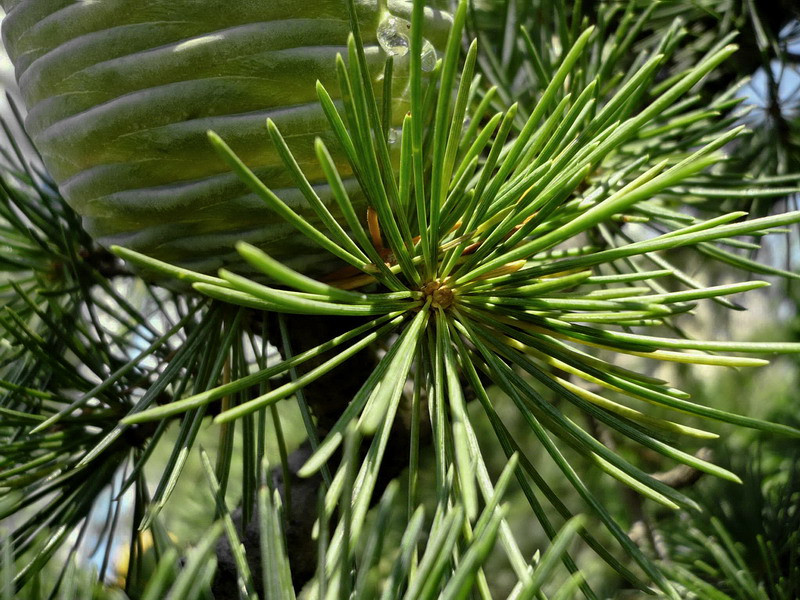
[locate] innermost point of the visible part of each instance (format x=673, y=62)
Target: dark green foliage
x=745, y=544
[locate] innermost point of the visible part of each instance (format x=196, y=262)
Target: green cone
x=120, y=95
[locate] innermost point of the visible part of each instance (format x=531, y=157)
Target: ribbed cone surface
x=120, y=95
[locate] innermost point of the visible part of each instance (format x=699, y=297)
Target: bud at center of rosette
x=120, y=95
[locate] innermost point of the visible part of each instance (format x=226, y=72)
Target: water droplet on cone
x=392, y=36
x=428, y=56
